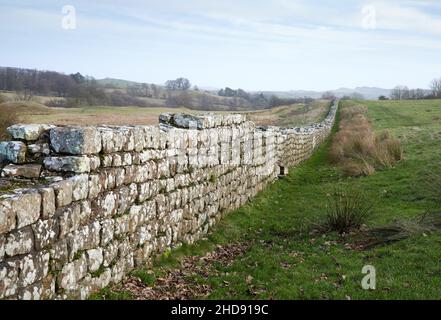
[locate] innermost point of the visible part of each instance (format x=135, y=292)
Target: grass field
x=34, y=112
x=286, y=260
x=291, y=116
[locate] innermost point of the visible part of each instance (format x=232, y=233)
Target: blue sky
x=252, y=44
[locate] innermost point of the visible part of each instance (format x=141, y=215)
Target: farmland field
x=280, y=254
x=34, y=112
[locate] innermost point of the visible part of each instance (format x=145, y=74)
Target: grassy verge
x=287, y=260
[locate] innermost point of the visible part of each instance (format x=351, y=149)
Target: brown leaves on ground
x=181, y=283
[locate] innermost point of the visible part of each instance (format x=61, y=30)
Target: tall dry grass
x=8, y=117
x=357, y=149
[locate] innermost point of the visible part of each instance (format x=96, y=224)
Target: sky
x=251, y=44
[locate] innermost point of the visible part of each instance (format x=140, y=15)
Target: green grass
x=287, y=261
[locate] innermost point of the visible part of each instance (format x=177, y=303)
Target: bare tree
x=181, y=84
x=419, y=94
x=400, y=93
x=328, y=95
x=155, y=91
x=24, y=95
x=435, y=86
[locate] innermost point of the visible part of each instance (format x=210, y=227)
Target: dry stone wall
x=104, y=200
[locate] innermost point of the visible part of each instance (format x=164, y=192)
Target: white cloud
x=282, y=37
x=409, y=19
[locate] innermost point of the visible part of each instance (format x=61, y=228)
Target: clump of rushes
x=347, y=209
x=357, y=149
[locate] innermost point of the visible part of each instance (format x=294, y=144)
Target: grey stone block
x=13, y=151
x=68, y=164
x=29, y=132
x=75, y=140
x=19, y=242
x=30, y=171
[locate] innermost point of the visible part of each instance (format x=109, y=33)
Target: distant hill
x=367, y=92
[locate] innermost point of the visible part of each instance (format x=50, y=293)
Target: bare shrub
x=357, y=149
x=24, y=95
x=347, y=209
x=62, y=103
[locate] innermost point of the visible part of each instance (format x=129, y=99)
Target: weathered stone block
x=107, y=231
x=33, y=267
x=95, y=186
x=122, y=225
x=8, y=217
x=126, y=159
x=30, y=171
x=105, y=205
x=13, y=151
x=39, y=148
x=27, y=207
x=107, y=160
x=8, y=280
x=95, y=162
x=72, y=273
x=19, y=242
x=120, y=176
x=94, y=259
x=85, y=212
x=126, y=196
x=80, y=187
x=48, y=287
x=110, y=253
x=63, y=192
x=68, y=164
x=147, y=190
x=29, y=132
x=187, y=121
x=102, y=281
x=128, y=134
x=33, y=292
x=47, y=202
x=75, y=140
x=115, y=140
x=45, y=233
x=59, y=255
x=124, y=248
x=85, y=238
x=41, y=290
x=69, y=220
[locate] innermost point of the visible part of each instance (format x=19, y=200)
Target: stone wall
x=88, y=204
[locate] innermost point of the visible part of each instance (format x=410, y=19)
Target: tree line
x=404, y=93
x=74, y=90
